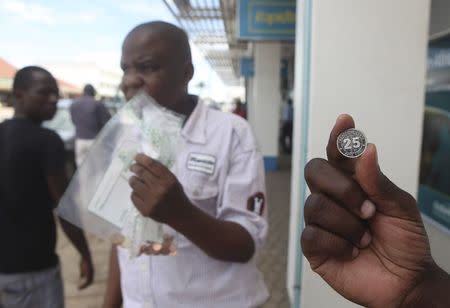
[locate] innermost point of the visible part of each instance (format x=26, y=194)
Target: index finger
x=343, y=122
x=322, y=177
x=151, y=165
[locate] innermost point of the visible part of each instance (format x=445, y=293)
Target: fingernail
x=367, y=209
x=355, y=252
x=340, y=117
x=157, y=247
x=375, y=154
x=365, y=240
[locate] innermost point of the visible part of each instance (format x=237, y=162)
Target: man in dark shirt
x=89, y=116
x=32, y=180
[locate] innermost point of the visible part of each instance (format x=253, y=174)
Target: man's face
x=149, y=62
x=40, y=99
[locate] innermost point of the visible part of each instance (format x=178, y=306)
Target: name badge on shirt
x=201, y=162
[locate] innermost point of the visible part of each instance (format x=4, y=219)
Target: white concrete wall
x=267, y=97
x=368, y=59
x=297, y=150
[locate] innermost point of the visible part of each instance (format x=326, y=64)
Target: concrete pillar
x=293, y=275
x=249, y=94
x=368, y=64
x=265, y=108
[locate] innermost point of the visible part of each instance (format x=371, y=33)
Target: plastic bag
x=98, y=199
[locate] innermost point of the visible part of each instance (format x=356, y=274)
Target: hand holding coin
x=363, y=234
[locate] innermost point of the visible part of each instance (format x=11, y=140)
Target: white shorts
x=82, y=149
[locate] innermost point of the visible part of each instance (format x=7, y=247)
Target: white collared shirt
x=222, y=173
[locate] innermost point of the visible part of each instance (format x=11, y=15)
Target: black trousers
x=286, y=137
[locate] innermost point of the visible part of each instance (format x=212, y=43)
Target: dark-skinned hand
x=86, y=273
x=156, y=194
x=364, y=236
x=156, y=191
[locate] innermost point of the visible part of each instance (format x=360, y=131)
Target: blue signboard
x=270, y=20
x=247, y=67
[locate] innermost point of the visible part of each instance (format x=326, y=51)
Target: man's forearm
x=223, y=240
x=76, y=237
x=432, y=292
x=113, y=295
x=57, y=185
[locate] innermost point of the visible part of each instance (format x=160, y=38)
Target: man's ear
x=188, y=73
x=17, y=97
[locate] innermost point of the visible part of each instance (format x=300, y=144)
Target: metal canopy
x=211, y=27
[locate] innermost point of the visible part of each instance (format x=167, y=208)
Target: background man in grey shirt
x=88, y=116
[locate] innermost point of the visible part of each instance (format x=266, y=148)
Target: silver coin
x=351, y=143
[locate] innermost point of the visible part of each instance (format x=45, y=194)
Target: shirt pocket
x=203, y=192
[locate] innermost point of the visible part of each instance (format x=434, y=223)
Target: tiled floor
x=273, y=258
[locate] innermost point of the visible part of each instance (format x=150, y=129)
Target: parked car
x=62, y=124
x=6, y=113
x=114, y=104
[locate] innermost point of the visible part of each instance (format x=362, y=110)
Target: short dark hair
x=89, y=90
x=174, y=33
x=23, y=77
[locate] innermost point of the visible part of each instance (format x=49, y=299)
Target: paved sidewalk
x=273, y=258
x=91, y=297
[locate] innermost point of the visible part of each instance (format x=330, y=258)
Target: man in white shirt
x=212, y=200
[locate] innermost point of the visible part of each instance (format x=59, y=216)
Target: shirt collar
x=195, y=128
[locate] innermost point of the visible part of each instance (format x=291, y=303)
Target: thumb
x=388, y=198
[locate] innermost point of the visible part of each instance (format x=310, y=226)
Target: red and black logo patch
x=256, y=203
